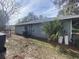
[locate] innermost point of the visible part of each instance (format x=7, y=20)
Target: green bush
x=53, y=29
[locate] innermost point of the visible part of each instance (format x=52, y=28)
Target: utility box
x=66, y=40
x=2, y=45
x=60, y=40
x=2, y=39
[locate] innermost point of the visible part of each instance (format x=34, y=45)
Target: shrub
x=53, y=29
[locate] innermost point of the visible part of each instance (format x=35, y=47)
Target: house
x=35, y=27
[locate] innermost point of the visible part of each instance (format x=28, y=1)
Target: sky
x=38, y=7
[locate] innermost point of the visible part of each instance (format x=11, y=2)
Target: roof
x=37, y=21
x=50, y=19
x=68, y=17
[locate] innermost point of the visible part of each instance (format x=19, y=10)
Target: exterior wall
x=35, y=30
x=67, y=27
x=19, y=30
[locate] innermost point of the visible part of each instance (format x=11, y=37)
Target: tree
x=7, y=7
x=30, y=17
x=53, y=29
x=68, y=7
x=41, y=17
x=3, y=19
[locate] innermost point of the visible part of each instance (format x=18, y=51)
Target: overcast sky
x=39, y=7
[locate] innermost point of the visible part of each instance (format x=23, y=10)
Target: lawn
x=19, y=47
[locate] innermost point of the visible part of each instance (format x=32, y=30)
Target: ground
x=19, y=47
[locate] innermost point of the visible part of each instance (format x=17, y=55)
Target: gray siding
x=35, y=30
x=19, y=30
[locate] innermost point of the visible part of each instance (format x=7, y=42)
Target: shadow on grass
x=37, y=38
x=69, y=52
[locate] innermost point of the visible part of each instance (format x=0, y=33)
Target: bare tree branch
x=8, y=7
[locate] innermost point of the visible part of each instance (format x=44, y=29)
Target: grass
x=71, y=54
x=41, y=43
x=35, y=49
